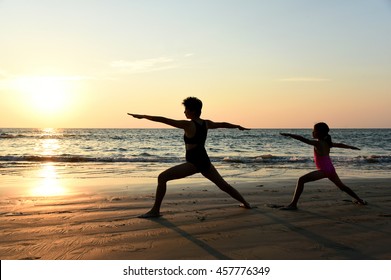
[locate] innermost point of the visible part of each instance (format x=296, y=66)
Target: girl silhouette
x=322, y=144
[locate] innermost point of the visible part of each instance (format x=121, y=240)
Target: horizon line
x=251, y=128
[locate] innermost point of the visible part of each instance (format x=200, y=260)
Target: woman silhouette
x=197, y=159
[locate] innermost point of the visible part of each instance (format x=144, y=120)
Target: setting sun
x=45, y=94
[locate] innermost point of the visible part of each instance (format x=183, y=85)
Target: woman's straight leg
x=213, y=175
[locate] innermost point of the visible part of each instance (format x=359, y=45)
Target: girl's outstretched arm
x=214, y=125
x=171, y=122
x=344, y=146
x=300, y=138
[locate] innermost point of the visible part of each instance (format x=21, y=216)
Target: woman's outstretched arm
x=175, y=123
x=214, y=125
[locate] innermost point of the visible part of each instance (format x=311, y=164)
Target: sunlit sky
x=258, y=63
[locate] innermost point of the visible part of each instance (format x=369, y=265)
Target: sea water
x=144, y=153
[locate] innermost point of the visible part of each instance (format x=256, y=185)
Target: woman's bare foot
x=150, y=215
x=289, y=208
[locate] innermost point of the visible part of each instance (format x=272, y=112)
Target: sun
x=45, y=94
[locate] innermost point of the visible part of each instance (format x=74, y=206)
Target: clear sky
x=258, y=63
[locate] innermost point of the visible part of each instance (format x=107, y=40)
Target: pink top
x=324, y=164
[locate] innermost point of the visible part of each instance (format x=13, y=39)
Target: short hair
x=323, y=131
x=193, y=104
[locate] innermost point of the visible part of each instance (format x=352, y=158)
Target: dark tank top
x=199, y=137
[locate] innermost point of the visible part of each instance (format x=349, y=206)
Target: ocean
x=144, y=153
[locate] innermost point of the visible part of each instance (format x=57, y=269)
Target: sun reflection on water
x=48, y=183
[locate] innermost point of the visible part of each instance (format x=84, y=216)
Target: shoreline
x=52, y=180
x=201, y=222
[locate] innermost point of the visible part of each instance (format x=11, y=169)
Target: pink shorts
x=323, y=163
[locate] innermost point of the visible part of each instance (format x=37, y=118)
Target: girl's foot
x=360, y=202
x=247, y=206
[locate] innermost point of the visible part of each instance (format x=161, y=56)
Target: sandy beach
x=200, y=222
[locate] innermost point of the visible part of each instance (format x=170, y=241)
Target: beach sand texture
x=201, y=222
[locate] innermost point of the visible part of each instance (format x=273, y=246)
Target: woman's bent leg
x=173, y=173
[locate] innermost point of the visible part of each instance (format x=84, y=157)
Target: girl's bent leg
x=309, y=177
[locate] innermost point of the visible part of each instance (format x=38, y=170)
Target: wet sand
x=200, y=222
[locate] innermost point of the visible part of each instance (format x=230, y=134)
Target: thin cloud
x=304, y=79
x=145, y=65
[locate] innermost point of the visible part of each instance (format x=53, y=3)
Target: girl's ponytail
x=328, y=140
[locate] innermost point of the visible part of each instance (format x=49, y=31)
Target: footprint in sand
x=30, y=258
x=385, y=215
x=201, y=219
x=272, y=205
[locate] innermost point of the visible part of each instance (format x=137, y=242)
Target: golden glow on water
x=48, y=183
x=49, y=130
x=48, y=146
